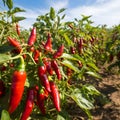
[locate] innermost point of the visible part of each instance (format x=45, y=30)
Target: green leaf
x=63, y=16
x=52, y=13
x=5, y=115
x=17, y=19
x=70, y=43
x=61, y=10
x=17, y=9
x=94, y=74
x=91, y=89
x=63, y=115
x=9, y=3
x=93, y=66
x=81, y=101
x=68, y=56
x=5, y=48
x=3, y=2
x=70, y=65
x=4, y=58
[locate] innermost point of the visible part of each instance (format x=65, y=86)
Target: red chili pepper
x=40, y=101
x=36, y=55
x=41, y=68
x=32, y=37
x=48, y=44
x=15, y=44
x=56, y=69
x=55, y=96
x=45, y=82
x=80, y=45
x=18, y=29
x=17, y=87
x=29, y=104
x=59, y=52
x=48, y=66
x=2, y=88
x=72, y=50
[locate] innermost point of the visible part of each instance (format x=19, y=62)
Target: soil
x=110, y=110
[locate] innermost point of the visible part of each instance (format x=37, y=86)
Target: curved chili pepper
x=45, y=82
x=56, y=69
x=48, y=44
x=17, y=87
x=59, y=52
x=36, y=55
x=55, y=96
x=2, y=88
x=18, y=29
x=29, y=104
x=15, y=43
x=32, y=37
x=40, y=101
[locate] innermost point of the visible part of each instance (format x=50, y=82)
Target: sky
x=102, y=11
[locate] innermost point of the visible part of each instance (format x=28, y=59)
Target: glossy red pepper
x=45, y=82
x=48, y=44
x=2, y=88
x=32, y=37
x=36, y=56
x=56, y=69
x=41, y=68
x=55, y=96
x=18, y=29
x=40, y=101
x=28, y=105
x=17, y=87
x=48, y=66
x=15, y=43
x=59, y=52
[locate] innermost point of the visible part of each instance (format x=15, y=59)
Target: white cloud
x=104, y=13
x=59, y=4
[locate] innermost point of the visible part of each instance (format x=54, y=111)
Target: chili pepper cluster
x=36, y=94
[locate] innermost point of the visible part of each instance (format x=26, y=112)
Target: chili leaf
x=9, y=3
x=70, y=65
x=5, y=115
x=52, y=13
x=4, y=57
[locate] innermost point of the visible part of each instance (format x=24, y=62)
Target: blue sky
x=102, y=11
